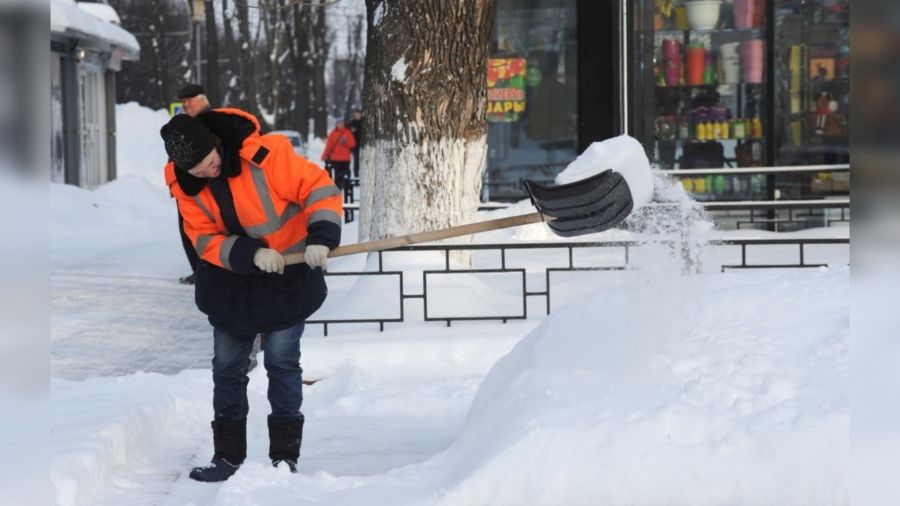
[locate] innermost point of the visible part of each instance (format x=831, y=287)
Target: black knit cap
x=190, y=91
x=187, y=141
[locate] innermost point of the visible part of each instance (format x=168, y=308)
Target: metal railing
x=800, y=243
x=546, y=272
x=787, y=169
x=754, y=208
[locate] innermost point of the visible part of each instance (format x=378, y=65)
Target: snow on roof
x=102, y=11
x=67, y=18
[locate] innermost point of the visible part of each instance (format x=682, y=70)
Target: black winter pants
x=342, y=178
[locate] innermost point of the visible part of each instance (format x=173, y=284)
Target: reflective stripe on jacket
x=281, y=201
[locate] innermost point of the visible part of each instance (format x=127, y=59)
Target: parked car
x=296, y=140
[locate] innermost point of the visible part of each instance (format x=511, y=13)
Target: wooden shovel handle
x=429, y=236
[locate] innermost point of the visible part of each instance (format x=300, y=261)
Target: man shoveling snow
x=245, y=200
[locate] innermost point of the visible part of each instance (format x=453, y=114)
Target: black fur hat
x=187, y=140
x=190, y=91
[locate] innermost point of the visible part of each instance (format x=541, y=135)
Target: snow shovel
x=590, y=205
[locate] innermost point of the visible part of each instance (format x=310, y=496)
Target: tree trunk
x=320, y=106
x=285, y=98
x=158, y=46
x=212, y=54
x=247, y=50
x=357, y=53
x=270, y=21
x=234, y=83
x=424, y=100
x=300, y=56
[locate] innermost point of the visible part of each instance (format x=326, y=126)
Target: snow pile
x=65, y=16
x=139, y=148
x=125, y=226
x=103, y=427
x=101, y=11
x=622, y=154
x=689, y=390
x=128, y=225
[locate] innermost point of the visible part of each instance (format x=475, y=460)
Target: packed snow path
x=111, y=325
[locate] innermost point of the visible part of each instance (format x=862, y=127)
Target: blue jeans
x=231, y=361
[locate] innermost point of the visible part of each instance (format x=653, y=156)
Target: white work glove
x=316, y=255
x=269, y=260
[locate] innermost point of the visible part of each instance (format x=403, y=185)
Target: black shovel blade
x=593, y=204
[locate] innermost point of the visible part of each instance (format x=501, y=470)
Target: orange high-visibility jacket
x=278, y=197
x=281, y=201
x=334, y=150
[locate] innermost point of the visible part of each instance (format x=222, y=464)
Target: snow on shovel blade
x=590, y=205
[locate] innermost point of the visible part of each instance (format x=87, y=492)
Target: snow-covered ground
x=643, y=386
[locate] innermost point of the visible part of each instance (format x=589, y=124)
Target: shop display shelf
x=749, y=31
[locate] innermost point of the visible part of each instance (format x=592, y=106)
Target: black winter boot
x=230, y=442
x=284, y=442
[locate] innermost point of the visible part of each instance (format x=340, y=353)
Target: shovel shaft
x=432, y=235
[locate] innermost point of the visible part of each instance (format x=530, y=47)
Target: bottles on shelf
x=705, y=124
x=725, y=186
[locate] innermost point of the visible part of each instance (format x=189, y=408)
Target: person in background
x=355, y=126
x=193, y=102
x=247, y=200
x=338, y=152
x=193, y=99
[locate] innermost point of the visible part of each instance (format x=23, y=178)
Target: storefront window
x=701, y=91
x=742, y=83
x=812, y=78
x=532, y=91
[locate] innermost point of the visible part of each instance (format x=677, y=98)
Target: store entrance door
x=92, y=112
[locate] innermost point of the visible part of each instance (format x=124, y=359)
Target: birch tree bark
x=424, y=99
